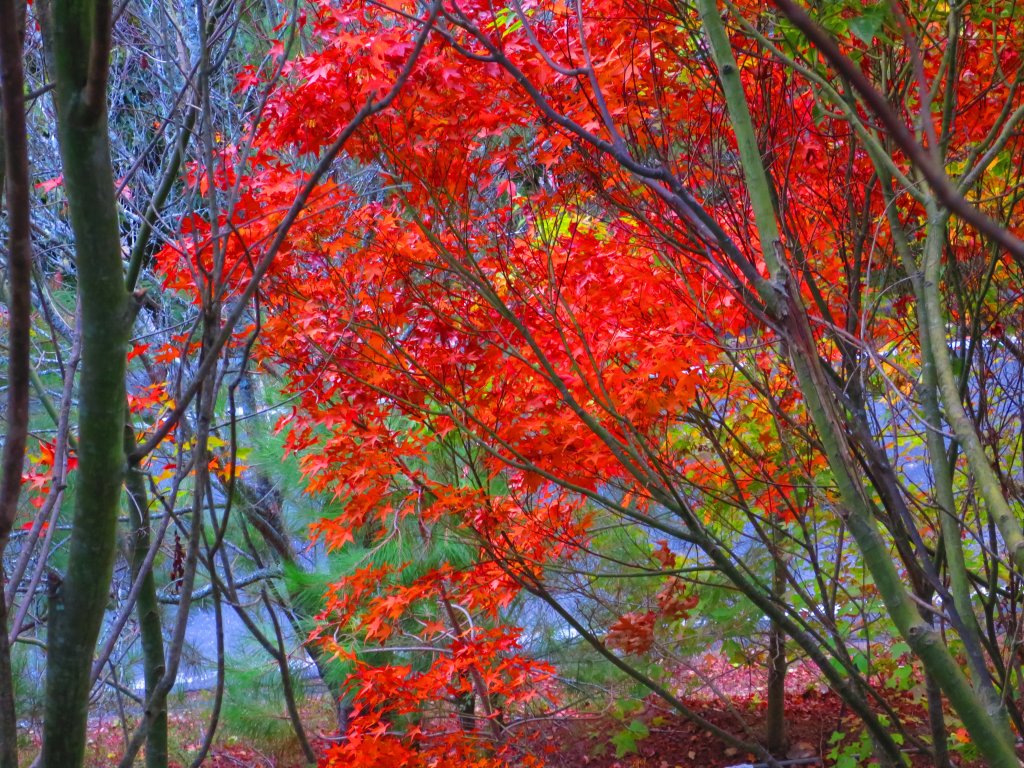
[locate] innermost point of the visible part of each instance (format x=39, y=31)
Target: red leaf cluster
x=497, y=322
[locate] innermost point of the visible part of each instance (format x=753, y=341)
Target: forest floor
x=821, y=729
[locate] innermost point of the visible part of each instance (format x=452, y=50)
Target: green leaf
x=639, y=729
x=625, y=743
x=867, y=26
x=625, y=740
x=860, y=660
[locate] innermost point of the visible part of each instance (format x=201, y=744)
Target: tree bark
x=78, y=46
x=776, y=737
x=14, y=179
x=147, y=608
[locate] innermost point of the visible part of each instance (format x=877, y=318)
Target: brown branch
x=19, y=273
x=19, y=306
x=368, y=110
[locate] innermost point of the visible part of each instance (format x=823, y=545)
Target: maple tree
x=628, y=316
x=126, y=425
x=633, y=260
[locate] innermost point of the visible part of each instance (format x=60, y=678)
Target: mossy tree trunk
x=14, y=180
x=147, y=608
x=78, y=47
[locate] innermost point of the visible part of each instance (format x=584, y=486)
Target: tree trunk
x=147, y=608
x=78, y=45
x=14, y=179
x=776, y=738
x=8, y=713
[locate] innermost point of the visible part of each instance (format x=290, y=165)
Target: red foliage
x=519, y=288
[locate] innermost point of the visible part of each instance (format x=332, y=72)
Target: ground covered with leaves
x=639, y=734
x=821, y=729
